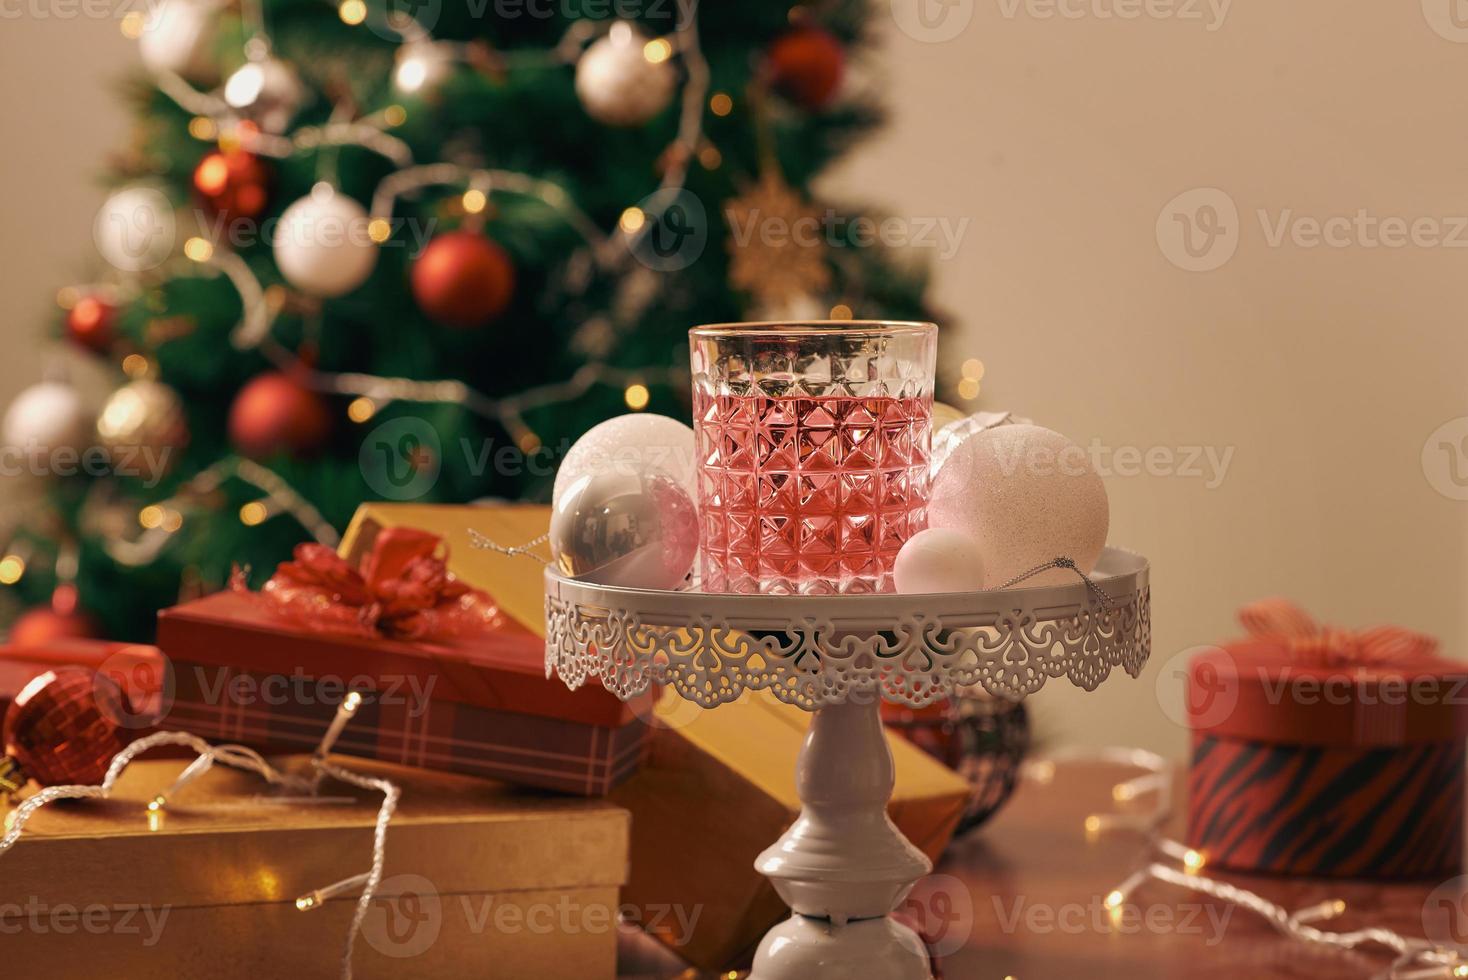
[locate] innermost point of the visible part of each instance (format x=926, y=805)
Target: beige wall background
x=1061, y=130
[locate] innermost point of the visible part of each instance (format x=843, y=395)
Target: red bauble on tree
x=45, y=625
x=273, y=413
x=463, y=279
x=64, y=728
x=806, y=65
x=233, y=184
x=91, y=323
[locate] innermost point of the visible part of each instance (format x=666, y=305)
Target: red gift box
x=261, y=674
x=1325, y=752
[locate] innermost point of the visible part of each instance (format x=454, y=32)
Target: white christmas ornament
x=1026, y=495
x=177, y=37
x=939, y=560
x=134, y=229
x=47, y=417
x=422, y=66
x=624, y=79
x=322, y=244
x=637, y=444
x=267, y=91
x=635, y=530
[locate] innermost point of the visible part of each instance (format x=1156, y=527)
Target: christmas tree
x=413, y=251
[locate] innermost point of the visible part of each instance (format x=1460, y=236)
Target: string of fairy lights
x=306, y=790
x=1173, y=863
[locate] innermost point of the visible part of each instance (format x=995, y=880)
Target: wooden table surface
x=1023, y=896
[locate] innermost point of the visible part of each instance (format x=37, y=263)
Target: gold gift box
x=718, y=786
x=481, y=880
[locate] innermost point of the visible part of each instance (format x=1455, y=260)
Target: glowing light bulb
x=636, y=397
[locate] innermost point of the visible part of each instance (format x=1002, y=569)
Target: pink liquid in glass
x=805, y=494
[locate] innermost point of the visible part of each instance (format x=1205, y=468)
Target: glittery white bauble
x=322, y=244
x=47, y=417
x=636, y=530
x=939, y=560
x=134, y=229
x=638, y=444
x=421, y=66
x=267, y=91
x=178, y=36
x=951, y=432
x=618, y=84
x=1027, y=495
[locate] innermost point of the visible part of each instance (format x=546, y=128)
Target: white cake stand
x=843, y=866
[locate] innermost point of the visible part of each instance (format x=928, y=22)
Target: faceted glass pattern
x=813, y=448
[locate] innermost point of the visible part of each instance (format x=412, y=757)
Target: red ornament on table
x=62, y=729
x=806, y=65
x=233, y=184
x=463, y=279
x=91, y=322
x=273, y=413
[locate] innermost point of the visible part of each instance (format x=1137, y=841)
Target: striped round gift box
x=1327, y=753
x=1318, y=811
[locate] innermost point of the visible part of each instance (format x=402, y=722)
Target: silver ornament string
x=1062, y=561
x=526, y=550
x=248, y=760
x=1415, y=959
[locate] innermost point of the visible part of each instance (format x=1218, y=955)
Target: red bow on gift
x=1329, y=646
x=404, y=590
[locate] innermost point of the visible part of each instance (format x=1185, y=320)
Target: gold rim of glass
x=816, y=328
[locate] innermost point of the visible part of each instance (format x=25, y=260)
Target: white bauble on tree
x=267, y=91
x=45, y=418
x=178, y=37
x=1027, y=495
x=939, y=560
x=323, y=246
x=623, y=79
x=637, y=443
x=135, y=229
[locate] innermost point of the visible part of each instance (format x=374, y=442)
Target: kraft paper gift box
x=717, y=786
x=482, y=708
x=481, y=880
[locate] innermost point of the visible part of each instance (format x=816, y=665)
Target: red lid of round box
x=1263, y=690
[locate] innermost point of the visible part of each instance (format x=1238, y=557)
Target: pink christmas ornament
x=1026, y=495
x=939, y=560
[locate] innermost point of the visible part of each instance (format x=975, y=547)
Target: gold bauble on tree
x=143, y=425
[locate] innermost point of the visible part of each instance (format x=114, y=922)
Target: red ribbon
x=1328, y=646
x=404, y=591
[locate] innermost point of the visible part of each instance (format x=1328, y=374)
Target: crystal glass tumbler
x=813, y=442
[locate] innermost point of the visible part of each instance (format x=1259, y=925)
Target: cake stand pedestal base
x=843, y=865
